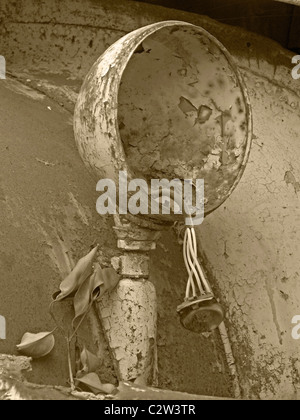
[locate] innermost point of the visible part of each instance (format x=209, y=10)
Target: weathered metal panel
x=257, y=271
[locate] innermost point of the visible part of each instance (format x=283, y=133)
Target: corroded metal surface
x=13, y=387
x=252, y=242
x=48, y=218
x=129, y=313
x=166, y=101
x=129, y=317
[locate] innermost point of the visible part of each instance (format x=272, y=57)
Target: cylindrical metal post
x=129, y=313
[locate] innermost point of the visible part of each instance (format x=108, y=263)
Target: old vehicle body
x=249, y=245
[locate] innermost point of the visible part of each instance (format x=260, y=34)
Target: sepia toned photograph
x=149, y=202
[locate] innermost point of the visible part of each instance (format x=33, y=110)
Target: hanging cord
x=197, y=284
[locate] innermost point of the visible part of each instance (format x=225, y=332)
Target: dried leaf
x=92, y=381
x=37, y=345
x=87, y=293
x=82, y=298
x=77, y=277
x=110, y=279
x=101, y=281
x=90, y=363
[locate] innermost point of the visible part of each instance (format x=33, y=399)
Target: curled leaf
x=82, y=299
x=78, y=276
x=85, y=294
x=101, y=281
x=89, y=362
x=110, y=279
x=92, y=381
x=37, y=345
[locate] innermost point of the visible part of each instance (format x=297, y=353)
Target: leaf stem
x=58, y=326
x=81, y=321
x=72, y=383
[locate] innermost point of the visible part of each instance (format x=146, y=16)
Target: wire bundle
x=197, y=285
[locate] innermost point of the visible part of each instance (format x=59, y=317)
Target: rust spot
x=140, y=50
x=285, y=296
x=204, y=114
x=121, y=125
x=289, y=178
x=182, y=72
x=186, y=106
x=239, y=105
x=221, y=82
x=175, y=29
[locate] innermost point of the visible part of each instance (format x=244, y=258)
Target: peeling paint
x=169, y=126
x=289, y=178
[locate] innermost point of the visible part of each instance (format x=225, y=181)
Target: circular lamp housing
x=201, y=315
x=166, y=101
